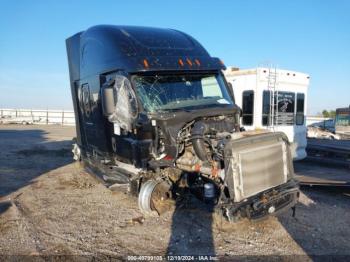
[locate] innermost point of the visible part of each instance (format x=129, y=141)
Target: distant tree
x=325, y=113
x=332, y=114
x=328, y=114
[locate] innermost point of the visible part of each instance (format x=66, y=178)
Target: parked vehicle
x=319, y=132
x=342, y=122
x=273, y=99
x=154, y=113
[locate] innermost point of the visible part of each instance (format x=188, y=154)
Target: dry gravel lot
x=50, y=206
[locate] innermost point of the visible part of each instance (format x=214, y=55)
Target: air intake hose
x=197, y=137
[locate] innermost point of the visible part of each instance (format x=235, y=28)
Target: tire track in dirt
x=29, y=226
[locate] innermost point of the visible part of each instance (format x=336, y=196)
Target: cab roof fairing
x=105, y=48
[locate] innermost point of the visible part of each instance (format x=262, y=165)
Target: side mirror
x=107, y=97
x=119, y=102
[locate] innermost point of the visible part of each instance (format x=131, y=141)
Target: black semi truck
x=154, y=114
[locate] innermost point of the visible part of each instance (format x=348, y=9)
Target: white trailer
x=272, y=99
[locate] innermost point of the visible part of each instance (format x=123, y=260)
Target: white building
x=272, y=99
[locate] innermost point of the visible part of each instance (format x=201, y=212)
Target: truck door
x=88, y=124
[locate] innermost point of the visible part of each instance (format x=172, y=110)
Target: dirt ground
x=50, y=206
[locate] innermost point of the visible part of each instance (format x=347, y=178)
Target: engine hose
x=197, y=137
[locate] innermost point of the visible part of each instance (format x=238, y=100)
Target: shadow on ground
x=191, y=228
x=34, y=155
x=4, y=206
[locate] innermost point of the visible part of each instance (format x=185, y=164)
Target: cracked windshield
x=181, y=92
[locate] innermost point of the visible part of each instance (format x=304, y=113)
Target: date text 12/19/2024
x=173, y=258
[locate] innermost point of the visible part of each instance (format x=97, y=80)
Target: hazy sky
x=307, y=36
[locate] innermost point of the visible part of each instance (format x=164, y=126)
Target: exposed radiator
x=257, y=163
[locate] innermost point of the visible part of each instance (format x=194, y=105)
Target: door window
x=248, y=107
x=266, y=119
x=299, y=119
x=85, y=100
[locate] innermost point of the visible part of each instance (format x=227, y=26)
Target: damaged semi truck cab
x=155, y=114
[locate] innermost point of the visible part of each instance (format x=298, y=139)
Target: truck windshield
x=177, y=92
